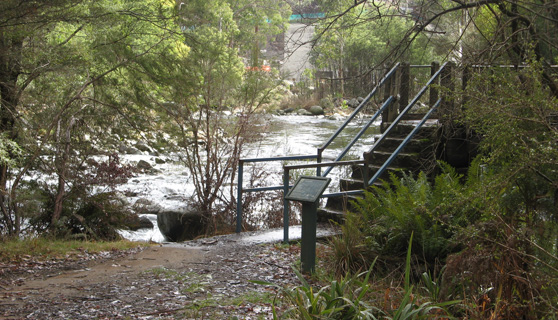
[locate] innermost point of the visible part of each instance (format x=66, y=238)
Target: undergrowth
x=44, y=248
x=361, y=296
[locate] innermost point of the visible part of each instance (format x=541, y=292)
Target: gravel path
x=204, y=279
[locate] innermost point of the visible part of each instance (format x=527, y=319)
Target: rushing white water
x=285, y=136
x=153, y=235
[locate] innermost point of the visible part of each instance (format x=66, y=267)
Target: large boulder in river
x=142, y=146
x=146, y=206
x=316, y=110
x=353, y=103
x=124, y=149
x=289, y=110
x=179, y=226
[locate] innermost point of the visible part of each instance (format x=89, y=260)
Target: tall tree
x=63, y=65
x=214, y=116
x=354, y=39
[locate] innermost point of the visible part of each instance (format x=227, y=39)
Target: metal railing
x=319, y=156
x=367, y=154
x=240, y=189
x=337, y=162
x=394, y=124
x=386, y=104
x=399, y=148
x=321, y=149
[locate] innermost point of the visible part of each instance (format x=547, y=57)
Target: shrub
x=405, y=206
x=85, y=213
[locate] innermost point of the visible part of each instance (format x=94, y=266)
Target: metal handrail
x=356, y=111
x=337, y=161
x=403, y=144
x=286, y=186
x=365, y=162
x=386, y=104
x=241, y=190
x=405, y=111
x=377, y=143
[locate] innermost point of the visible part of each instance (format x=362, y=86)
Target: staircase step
x=415, y=145
x=404, y=127
x=414, y=116
x=341, y=203
x=329, y=214
x=403, y=159
x=348, y=184
x=410, y=159
x=372, y=169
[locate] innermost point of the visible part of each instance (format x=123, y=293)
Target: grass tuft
x=48, y=249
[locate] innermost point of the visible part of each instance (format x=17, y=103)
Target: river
x=285, y=135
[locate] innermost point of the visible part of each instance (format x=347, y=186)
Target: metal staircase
x=418, y=154
x=405, y=144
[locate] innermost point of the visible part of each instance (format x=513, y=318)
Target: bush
x=405, y=206
x=356, y=297
x=495, y=231
x=86, y=214
x=94, y=217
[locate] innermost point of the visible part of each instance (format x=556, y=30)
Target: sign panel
x=308, y=189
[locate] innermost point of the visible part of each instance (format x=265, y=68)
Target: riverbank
x=169, y=186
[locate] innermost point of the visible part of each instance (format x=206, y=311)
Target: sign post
x=307, y=190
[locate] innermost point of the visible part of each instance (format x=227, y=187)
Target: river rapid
x=284, y=136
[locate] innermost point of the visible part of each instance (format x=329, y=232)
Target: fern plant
x=341, y=299
x=433, y=212
x=349, y=298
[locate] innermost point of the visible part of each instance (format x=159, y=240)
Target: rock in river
x=135, y=222
x=144, y=165
x=316, y=110
x=179, y=226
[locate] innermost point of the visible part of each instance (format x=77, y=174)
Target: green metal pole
x=239, y=197
x=285, y=206
x=308, y=246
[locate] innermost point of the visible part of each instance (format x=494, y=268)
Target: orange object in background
x=262, y=68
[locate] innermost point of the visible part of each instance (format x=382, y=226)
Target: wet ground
x=207, y=278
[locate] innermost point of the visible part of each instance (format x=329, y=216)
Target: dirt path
x=207, y=279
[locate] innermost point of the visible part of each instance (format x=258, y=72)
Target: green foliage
x=365, y=37
x=341, y=299
x=512, y=189
x=95, y=217
x=71, y=85
x=352, y=297
x=349, y=253
x=212, y=101
x=10, y=151
x=406, y=206
x=46, y=248
x=430, y=286
x=514, y=112
x=92, y=74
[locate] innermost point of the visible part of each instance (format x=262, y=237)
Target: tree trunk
x=10, y=68
x=64, y=143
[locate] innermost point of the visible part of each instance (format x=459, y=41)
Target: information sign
x=308, y=189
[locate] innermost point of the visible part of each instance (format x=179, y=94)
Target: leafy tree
x=63, y=65
x=258, y=22
x=214, y=108
x=515, y=114
x=364, y=37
